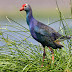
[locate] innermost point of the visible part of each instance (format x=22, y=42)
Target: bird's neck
x=29, y=16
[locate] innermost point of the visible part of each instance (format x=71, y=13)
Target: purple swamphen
x=42, y=33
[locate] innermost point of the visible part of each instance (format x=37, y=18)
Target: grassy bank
x=22, y=56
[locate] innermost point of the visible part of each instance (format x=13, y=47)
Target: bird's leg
x=44, y=54
x=52, y=54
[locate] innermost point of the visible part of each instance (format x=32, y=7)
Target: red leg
x=52, y=54
x=44, y=54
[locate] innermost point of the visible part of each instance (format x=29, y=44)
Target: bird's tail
x=58, y=45
x=63, y=38
x=57, y=42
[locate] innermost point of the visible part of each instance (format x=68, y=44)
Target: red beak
x=22, y=8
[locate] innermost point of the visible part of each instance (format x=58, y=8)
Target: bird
x=42, y=33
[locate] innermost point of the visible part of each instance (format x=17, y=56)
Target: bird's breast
x=32, y=31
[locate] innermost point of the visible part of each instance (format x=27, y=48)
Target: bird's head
x=25, y=7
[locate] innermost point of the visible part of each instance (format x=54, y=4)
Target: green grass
x=20, y=55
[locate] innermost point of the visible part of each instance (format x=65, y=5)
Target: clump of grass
x=21, y=55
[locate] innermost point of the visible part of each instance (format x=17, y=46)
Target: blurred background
x=46, y=8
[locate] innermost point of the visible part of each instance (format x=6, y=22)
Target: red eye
x=25, y=6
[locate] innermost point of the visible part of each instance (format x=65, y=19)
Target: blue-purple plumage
x=44, y=34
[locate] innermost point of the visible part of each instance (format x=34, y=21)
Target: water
x=16, y=32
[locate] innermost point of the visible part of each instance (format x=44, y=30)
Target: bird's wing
x=46, y=31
